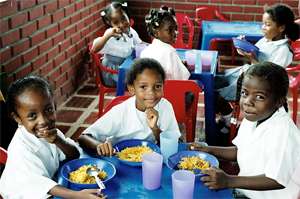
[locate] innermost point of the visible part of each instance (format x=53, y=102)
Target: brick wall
x=50, y=38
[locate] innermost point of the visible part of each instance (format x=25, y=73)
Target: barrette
x=102, y=13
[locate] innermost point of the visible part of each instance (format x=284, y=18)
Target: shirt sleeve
x=176, y=70
x=136, y=38
x=282, y=56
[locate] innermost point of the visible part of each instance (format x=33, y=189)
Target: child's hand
x=89, y=193
x=241, y=37
x=251, y=56
x=195, y=147
x=114, y=32
x=50, y=135
x=216, y=179
x=184, y=63
x=151, y=117
x=105, y=149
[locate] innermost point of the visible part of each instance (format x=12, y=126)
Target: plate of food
x=244, y=45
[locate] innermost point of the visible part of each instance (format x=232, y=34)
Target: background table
x=205, y=80
x=128, y=183
x=226, y=30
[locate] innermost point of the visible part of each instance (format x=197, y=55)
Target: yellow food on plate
x=81, y=176
x=193, y=162
x=135, y=153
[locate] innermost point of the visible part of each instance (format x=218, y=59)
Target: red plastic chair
x=184, y=19
x=114, y=102
x=208, y=14
x=103, y=89
x=99, y=34
x=3, y=155
x=174, y=92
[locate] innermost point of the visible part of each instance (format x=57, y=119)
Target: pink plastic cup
x=190, y=58
x=183, y=183
x=138, y=49
x=151, y=169
x=206, y=58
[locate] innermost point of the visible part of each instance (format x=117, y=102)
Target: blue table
x=128, y=183
x=205, y=79
x=226, y=30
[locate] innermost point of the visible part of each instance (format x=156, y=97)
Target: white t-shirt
x=273, y=149
x=123, y=122
x=120, y=48
x=31, y=165
x=168, y=58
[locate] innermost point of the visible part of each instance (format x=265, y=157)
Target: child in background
x=267, y=145
x=117, y=42
x=37, y=147
x=143, y=116
x=278, y=21
x=162, y=25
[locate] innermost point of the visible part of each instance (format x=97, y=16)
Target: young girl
x=267, y=145
x=162, y=25
x=37, y=146
x=278, y=21
x=143, y=116
x=117, y=42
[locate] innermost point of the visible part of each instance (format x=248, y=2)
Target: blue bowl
x=174, y=159
x=119, y=146
x=75, y=164
x=244, y=45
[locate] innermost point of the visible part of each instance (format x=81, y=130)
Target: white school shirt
x=169, y=59
x=122, y=123
x=273, y=149
x=120, y=48
x=31, y=165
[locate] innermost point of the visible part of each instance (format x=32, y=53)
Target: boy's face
x=36, y=111
x=119, y=19
x=271, y=31
x=257, y=101
x=148, y=89
x=167, y=31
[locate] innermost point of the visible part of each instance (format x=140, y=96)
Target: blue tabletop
x=127, y=183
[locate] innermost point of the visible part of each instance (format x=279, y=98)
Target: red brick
x=58, y=15
x=38, y=62
x=28, y=29
x=85, y=13
x=26, y=70
x=65, y=66
x=94, y=8
x=66, y=86
x=292, y=3
x=12, y=64
x=64, y=24
x=75, y=18
x=93, y=26
x=247, y=2
x=76, y=57
x=89, y=20
x=41, y=1
x=155, y=5
x=8, y=8
x=36, y=13
x=46, y=68
x=230, y=8
x=60, y=80
x=50, y=7
x=71, y=51
x=45, y=46
x=62, y=3
x=29, y=55
x=37, y=38
x=19, y=19
x=58, y=38
x=52, y=30
x=5, y=54
x=59, y=59
x=269, y=2
x=64, y=45
x=75, y=38
x=70, y=31
x=54, y=74
x=69, y=10
x=253, y=10
x=3, y=26
x=26, y=4
x=43, y=22
x=10, y=37
x=242, y=17
x=20, y=46
x=80, y=45
x=71, y=71
x=80, y=26
x=52, y=53
x=258, y=18
x=84, y=31
x=79, y=5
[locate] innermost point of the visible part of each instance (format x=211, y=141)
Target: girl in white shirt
x=143, y=116
x=37, y=147
x=117, y=42
x=267, y=146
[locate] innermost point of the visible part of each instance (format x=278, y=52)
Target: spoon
x=123, y=154
x=93, y=172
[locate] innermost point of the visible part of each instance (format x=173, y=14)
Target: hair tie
x=162, y=12
x=124, y=4
x=148, y=21
x=233, y=121
x=156, y=23
x=102, y=13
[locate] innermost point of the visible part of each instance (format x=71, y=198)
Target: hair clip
x=156, y=23
x=162, y=12
x=124, y=4
x=148, y=21
x=233, y=121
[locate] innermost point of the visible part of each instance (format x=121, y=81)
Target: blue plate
x=119, y=146
x=75, y=164
x=244, y=45
x=174, y=159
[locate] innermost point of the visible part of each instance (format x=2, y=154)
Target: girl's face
x=36, y=111
x=271, y=31
x=167, y=31
x=148, y=89
x=257, y=101
x=119, y=19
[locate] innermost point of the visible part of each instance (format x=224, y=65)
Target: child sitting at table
x=118, y=41
x=143, y=116
x=267, y=146
x=278, y=21
x=38, y=146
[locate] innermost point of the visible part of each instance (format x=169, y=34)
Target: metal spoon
x=93, y=172
x=123, y=154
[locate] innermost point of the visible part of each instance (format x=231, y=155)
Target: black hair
x=114, y=6
x=155, y=18
x=282, y=14
x=139, y=65
x=277, y=77
x=21, y=85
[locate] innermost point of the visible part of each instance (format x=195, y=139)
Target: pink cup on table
x=206, y=57
x=183, y=183
x=138, y=49
x=151, y=169
x=190, y=58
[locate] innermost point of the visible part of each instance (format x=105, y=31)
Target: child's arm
x=104, y=149
x=63, y=192
x=151, y=118
x=250, y=56
x=113, y=32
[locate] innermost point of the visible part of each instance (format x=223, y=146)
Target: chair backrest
x=181, y=20
x=208, y=14
x=3, y=155
x=114, y=102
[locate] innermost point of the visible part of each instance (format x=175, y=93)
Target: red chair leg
x=232, y=52
x=101, y=101
x=295, y=104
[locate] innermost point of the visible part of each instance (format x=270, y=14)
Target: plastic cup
x=168, y=144
x=151, y=169
x=138, y=49
x=206, y=58
x=183, y=183
x=190, y=58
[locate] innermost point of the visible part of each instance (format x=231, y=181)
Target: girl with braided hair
x=267, y=146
